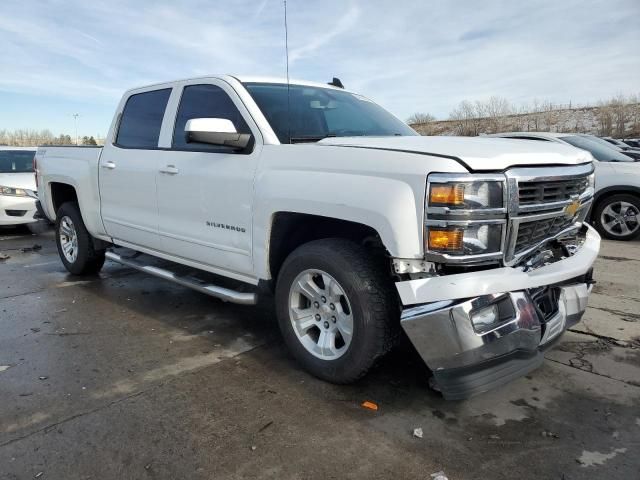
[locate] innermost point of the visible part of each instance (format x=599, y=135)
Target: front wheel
x=337, y=309
x=618, y=217
x=75, y=244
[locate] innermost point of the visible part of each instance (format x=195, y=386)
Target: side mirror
x=215, y=131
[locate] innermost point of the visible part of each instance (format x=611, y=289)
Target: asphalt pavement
x=126, y=376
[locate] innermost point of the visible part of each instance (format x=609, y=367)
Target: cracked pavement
x=127, y=376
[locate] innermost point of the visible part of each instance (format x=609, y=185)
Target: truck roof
x=7, y=147
x=243, y=79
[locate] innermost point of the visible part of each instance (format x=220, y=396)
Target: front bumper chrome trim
x=465, y=362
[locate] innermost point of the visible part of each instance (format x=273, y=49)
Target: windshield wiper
x=310, y=138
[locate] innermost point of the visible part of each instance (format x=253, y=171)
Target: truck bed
x=72, y=165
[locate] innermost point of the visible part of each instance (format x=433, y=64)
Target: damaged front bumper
x=443, y=319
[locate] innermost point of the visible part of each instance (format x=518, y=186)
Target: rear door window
x=205, y=101
x=142, y=119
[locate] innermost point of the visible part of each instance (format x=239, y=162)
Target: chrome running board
x=222, y=293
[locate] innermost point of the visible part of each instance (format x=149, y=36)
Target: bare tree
x=32, y=138
x=419, y=117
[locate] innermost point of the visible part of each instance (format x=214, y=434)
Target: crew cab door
x=205, y=192
x=129, y=168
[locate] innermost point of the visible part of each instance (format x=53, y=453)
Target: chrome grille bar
x=539, y=206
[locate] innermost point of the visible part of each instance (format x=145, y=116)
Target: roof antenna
x=286, y=49
x=336, y=82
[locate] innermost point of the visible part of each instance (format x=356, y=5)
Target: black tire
x=89, y=259
x=612, y=200
x=373, y=302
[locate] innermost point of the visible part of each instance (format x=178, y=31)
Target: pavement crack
x=67, y=334
x=630, y=317
x=614, y=341
x=48, y=428
x=577, y=367
x=21, y=294
x=617, y=259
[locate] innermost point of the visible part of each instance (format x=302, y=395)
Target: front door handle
x=169, y=170
x=109, y=165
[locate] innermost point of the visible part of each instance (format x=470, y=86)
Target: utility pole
x=75, y=117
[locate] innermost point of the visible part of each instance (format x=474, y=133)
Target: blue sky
x=61, y=57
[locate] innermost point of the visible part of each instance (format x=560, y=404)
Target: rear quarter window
x=142, y=119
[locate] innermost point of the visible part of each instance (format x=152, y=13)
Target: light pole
x=75, y=117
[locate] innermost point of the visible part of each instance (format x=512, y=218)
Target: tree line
x=34, y=138
x=617, y=117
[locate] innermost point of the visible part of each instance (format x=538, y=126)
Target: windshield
x=317, y=113
x=16, y=161
x=600, y=152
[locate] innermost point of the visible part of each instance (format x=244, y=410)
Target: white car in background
x=17, y=186
x=616, y=206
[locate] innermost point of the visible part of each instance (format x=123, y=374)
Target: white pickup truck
x=360, y=228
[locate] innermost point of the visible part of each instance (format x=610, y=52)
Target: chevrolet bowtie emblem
x=571, y=209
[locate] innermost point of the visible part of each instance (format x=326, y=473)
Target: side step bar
x=222, y=293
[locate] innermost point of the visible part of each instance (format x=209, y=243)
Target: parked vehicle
x=632, y=142
x=475, y=247
x=17, y=186
x=621, y=145
x=616, y=206
x=631, y=152
x=615, y=142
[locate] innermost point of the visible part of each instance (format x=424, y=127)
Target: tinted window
x=205, y=101
x=142, y=118
x=600, y=152
x=313, y=113
x=16, y=161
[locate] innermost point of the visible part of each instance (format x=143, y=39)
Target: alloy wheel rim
x=68, y=239
x=620, y=219
x=321, y=314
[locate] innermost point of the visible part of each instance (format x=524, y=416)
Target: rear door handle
x=169, y=170
x=109, y=165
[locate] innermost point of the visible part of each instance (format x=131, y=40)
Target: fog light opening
x=491, y=316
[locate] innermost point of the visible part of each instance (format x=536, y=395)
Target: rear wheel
x=75, y=244
x=336, y=308
x=618, y=217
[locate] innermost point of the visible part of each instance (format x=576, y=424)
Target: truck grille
x=542, y=206
x=531, y=193
x=532, y=233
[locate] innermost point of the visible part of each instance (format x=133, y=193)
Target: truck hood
x=476, y=153
x=18, y=180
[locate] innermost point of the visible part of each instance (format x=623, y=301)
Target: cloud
x=408, y=56
x=343, y=23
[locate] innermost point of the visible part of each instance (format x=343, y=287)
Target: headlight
x=14, y=192
x=465, y=195
x=592, y=180
x=465, y=217
x=471, y=239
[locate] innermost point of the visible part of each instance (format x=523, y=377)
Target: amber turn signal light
x=445, y=240
x=447, y=194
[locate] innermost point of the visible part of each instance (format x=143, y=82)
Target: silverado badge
x=571, y=209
